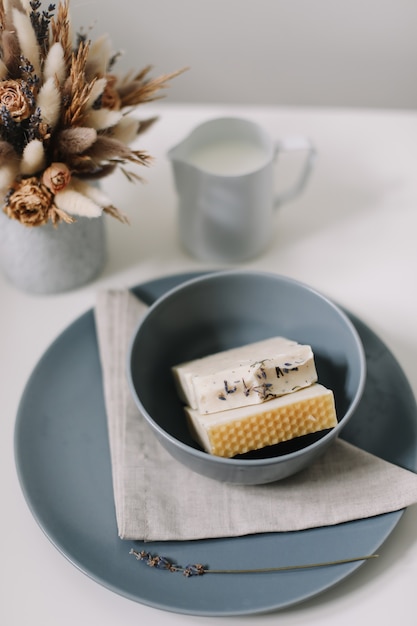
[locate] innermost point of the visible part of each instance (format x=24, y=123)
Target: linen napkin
x=157, y=499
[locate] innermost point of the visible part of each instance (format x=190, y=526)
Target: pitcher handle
x=296, y=144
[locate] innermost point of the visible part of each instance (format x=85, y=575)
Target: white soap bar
x=229, y=433
x=246, y=375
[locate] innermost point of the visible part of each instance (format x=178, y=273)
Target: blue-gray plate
x=63, y=463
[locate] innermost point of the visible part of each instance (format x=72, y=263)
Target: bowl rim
x=201, y=455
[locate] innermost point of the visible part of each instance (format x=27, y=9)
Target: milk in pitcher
x=231, y=157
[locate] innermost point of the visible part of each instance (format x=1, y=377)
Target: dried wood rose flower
x=110, y=98
x=12, y=96
x=56, y=177
x=29, y=202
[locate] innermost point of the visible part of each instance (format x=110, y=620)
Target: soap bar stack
x=253, y=396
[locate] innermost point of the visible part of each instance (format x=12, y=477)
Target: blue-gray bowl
x=225, y=309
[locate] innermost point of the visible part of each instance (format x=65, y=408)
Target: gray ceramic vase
x=47, y=260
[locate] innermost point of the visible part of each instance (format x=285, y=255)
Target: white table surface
x=352, y=235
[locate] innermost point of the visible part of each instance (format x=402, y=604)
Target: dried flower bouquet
x=65, y=117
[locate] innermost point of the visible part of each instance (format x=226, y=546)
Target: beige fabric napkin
x=156, y=498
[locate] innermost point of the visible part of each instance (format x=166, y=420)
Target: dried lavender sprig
x=40, y=21
x=198, y=569
x=9, y=129
x=80, y=38
x=113, y=60
x=28, y=74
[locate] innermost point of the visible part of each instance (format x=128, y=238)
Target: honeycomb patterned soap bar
x=247, y=375
x=240, y=430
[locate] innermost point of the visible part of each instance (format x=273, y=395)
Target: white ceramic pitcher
x=224, y=173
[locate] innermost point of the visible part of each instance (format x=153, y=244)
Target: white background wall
x=360, y=53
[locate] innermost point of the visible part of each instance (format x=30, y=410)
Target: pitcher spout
x=174, y=153
x=181, y=151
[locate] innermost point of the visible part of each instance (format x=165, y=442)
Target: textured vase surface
x=47, y=259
